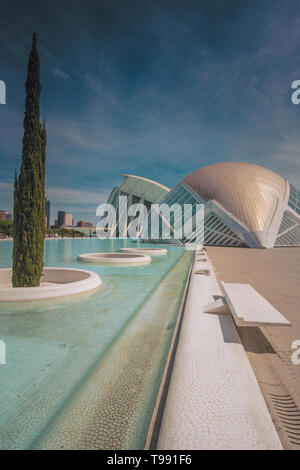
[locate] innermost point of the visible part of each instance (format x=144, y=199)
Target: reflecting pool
x=84, y=372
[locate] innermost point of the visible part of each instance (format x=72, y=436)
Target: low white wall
x=55, y=282
x=214, y=400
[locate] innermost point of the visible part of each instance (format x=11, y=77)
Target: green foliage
x=29, y=193
x=6, y=227
x=66, y=232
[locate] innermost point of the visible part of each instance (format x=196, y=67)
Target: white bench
x=247, y=306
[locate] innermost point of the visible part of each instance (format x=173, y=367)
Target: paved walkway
x=275, y=274
x=214, y=400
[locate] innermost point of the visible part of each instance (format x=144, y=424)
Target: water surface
x=58, y=352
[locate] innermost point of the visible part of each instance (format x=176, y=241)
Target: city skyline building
x=84, y=224
x=6, y=215
x=64, y=219
x=48, y=204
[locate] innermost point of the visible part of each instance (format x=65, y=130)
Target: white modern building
x=244, y=204
x=137, y=190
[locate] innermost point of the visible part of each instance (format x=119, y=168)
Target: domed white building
x=244, y=204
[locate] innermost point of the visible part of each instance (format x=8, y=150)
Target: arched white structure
x=244, y=204
x=136, y=190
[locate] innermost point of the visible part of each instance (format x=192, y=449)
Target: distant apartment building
x=64, y=219
x=82, y=223
x=47, y=213
x=6, y=215
x=60, y=218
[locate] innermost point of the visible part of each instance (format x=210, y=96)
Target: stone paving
x=214, y=400
x=275, y=274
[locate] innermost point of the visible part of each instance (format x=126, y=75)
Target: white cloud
x=61, y=73
x=5, y=187
x=75, y=196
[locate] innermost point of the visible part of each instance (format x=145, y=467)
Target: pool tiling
x=84, y=373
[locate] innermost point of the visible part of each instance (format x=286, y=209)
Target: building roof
x=144, y=187
x=247, y=191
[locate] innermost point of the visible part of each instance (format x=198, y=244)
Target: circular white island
x=55, y=282
x=145, y=251
x=120, y=259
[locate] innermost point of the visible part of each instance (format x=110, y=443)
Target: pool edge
x=155, y=422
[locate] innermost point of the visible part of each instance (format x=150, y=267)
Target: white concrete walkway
x=214, y=400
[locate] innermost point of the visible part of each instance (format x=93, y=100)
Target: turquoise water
x=53, y=347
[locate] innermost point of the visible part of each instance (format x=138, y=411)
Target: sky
x=155, y=88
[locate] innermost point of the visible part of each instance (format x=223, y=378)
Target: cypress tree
x=29, y=189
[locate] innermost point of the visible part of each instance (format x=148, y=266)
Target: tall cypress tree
x=29, y=192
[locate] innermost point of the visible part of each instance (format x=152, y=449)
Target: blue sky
x=156, y=88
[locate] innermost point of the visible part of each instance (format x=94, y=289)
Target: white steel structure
x=137, y=190
x=244, y=204
x=259, y=208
